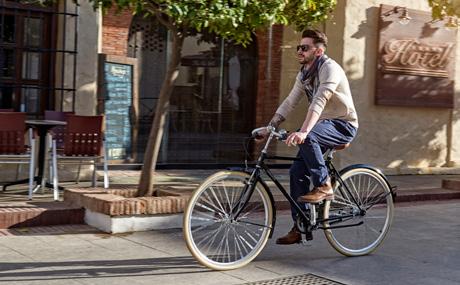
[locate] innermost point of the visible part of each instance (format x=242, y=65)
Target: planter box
x=117, y=210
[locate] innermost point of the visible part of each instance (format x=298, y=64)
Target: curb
x=44, y=215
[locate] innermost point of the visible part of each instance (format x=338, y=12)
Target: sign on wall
x=415, y=60
x=118, y=95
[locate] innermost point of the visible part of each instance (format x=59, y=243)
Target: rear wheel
x=213, y=236
x=371, y=220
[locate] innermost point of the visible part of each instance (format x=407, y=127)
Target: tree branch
x=164, y=19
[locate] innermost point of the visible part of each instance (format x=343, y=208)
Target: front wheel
x=214, y=236
x=359, y=230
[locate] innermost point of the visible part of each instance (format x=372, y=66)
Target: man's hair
x=317, y=36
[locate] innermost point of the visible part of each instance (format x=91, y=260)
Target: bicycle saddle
x=342, y=146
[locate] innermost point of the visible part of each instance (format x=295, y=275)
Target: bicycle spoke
x=379, y=198
x=366, y=188
x=345, y=203
x=203, y=216
x=372, y=229
x=243, y=243
x=227, y=246
x=230, y=204
x=196, y=230
x=345, y=192
x=369, y=194
x=217, y=199
x=212, y=249
x=248, y=211
x=237, y=242
x=209, y=202
x=207, y=236
x=213, y=236
x=245, y=226
x=233, y=196
x=220, y=247
x=356, y=191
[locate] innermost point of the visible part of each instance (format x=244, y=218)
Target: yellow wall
x=86, y=74
x=397, y=139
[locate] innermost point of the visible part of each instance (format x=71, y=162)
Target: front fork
x=245, y=194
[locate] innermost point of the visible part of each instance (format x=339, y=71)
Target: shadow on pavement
x=24, y=271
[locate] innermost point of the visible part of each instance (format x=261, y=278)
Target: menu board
x=118, y=80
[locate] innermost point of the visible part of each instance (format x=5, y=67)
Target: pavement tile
x=408, y=256
x=168, y=241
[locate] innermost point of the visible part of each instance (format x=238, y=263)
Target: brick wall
x=268, y=90
x=115, y=32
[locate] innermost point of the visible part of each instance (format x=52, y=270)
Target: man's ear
x=319, y=51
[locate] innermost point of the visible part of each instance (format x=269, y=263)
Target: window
x=212, y=105
x=28, y=52
x=22, y=57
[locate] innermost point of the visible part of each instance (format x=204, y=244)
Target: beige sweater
x=332, y=100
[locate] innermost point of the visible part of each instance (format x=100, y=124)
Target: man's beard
x=308, y=60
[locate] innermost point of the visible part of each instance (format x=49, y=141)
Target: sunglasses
x=304, y=47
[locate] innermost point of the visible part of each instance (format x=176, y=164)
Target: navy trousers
x=326, y=134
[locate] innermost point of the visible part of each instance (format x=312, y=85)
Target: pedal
x=305, y=242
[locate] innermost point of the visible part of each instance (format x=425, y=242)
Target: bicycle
x=231, y=215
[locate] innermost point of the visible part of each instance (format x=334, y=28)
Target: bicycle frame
x=255, y=177
x=225, y=231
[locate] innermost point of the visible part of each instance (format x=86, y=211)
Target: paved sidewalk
x=422, y=248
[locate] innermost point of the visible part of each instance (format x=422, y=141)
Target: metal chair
x=57, y=133
x=83, y=144
x=18, y=168
x=12, y=143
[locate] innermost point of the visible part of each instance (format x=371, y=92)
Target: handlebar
x=280, y=134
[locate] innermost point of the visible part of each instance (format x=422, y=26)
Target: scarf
x=309, y=78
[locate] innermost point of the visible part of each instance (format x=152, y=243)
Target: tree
x=441, y=9
x=234, y=20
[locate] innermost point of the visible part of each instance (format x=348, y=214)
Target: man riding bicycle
x=331, y=121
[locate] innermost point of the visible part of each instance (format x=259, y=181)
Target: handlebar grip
x=283, y=136
x=280, y=135
x=256, y=133
x=257, y=136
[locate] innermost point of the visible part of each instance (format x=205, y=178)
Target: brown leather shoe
x=320, y=193
x=293, y=236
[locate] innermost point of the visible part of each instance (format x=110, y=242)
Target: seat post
x=330, y=154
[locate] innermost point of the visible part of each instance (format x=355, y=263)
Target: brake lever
x=284, y=135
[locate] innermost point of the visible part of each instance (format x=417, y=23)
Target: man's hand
x=296, y=138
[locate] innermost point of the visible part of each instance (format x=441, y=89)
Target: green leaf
x=236, y=20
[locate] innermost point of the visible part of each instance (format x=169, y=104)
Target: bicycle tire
x=212, y=237
x=370, y=189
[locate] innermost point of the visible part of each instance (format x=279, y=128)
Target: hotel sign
x=415, y=58
x=415, y=61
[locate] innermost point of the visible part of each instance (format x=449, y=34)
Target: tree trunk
x=156, y=131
